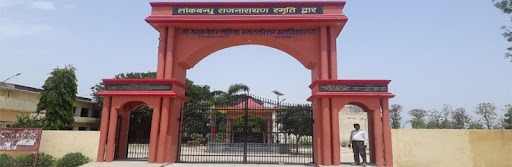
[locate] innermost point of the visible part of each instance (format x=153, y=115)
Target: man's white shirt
x=359, y=135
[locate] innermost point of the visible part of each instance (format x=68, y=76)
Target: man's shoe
x=357, y=163
x=364, y=163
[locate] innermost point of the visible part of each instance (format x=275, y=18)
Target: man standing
x=359, y=141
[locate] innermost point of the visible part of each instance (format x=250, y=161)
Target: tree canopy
x=418, y=120
x=58, y=98
x=508, y=117
x=296, y=120
x=506, y=7
x=394, y=115
x=488, y=113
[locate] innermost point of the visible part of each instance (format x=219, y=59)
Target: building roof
x=251, y=105
x=12, y=86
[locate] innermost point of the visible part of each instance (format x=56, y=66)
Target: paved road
x=145, y=164
x=346, y=157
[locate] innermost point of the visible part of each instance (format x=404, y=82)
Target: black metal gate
x=139, y=132
x=246, y=129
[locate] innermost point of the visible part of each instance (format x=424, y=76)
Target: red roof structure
x=251, y=105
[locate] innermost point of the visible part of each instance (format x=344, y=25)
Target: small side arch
x=131, y=105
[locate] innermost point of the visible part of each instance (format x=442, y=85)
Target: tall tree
x=506, y=7
x=435, y=119
x=461, y=119
x=488, y=113
x=58, y=97
x=394, y=116
x=446, y=123
x=232, y=95
x=418, y=120
x=198, y=113
x=296, y=120
x=508, y=117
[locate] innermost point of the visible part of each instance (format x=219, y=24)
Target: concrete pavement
x=346, y=156
x=145, y=164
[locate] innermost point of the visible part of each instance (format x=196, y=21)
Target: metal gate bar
x=244, y=130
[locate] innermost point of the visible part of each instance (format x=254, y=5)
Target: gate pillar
x=109, y=157
x=326, y=134
x=105, y=112
x=123, y=134
x=388, y=153
x=171, y=132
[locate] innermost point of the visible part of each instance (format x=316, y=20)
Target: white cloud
x=7, y=3
x=10, y=28
x=44, y=5
x=37, y=4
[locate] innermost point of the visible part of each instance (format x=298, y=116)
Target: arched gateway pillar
x=190, y=31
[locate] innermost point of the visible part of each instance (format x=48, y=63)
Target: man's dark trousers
x=358, y=148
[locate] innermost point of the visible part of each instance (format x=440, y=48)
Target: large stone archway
x=190, y=31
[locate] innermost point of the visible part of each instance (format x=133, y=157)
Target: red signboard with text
x=20, y=139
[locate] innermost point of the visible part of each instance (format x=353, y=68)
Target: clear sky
x=435, y=52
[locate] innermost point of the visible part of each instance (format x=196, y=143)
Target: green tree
x=461, y=119
x=475, y=125
x=27, y=121
x=506, y=7
x=198, y=113
x=488, y=113
x=57, y=99
x=233, y=95
x=418, y=120
x=296, y=120
x=434, y=120
x=440, y=119
x=394, y=116
x=507, y=122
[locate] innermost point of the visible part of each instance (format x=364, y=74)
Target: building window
x=82, y=128
x=94, y=128
x=84, y=112
x=96, y=113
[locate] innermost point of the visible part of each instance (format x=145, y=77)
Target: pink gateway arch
x=190, y=31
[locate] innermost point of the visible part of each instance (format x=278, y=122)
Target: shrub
x=6, y=160
x=43, y=160
x=27, y=121
x=73, y=160
x=344, y=143
x=306, y=142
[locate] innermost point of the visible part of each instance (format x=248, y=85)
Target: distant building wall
x=436, y=147
x=16, y=100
